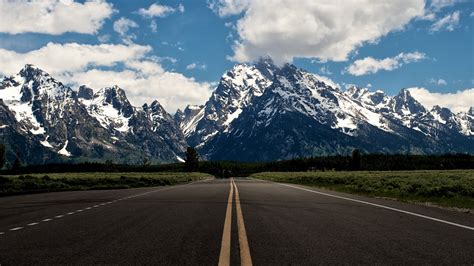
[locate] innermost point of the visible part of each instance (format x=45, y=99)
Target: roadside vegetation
x=28, y=183
x=448, y=188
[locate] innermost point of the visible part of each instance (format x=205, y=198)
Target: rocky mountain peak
x=404, y=103
x=117, y=98
x=85, y=92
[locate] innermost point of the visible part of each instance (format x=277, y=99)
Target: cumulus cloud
x=156, y=10
x=53, y=17
x=437, y=5
x=370, y=65
x=128, y=66
x=448, y=22
x=122, y=26
x=439, y=82
x=332, y=31
x=153, y=26
x=459, y=101
x=196, y=66
x=51, y=57
x=325, y=70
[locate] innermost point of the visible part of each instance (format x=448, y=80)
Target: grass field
x=451, y=188
x=81, y=181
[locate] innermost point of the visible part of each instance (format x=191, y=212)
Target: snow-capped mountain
x=235, y=91
x=60, y=123
x=257, y=112
x=299, y=114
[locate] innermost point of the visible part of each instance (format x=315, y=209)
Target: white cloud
x=332, y=29
x=439, y=82
x=153, y=26
x=181, y=8
x=156, y=10
x=437, y=5
x=51, y=57
x=128, y=66
x=53, y=17
x=173, y=90
x=122, y=26
x=448, y=22
x=196, y=66
x=370, y=65
x=459, y=101
x=229, y=7
x=325, y=71
x=103, y=38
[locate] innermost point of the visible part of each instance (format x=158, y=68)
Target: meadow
x=13, y=184
x=449, y=188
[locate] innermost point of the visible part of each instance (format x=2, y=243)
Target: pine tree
x=192, y=160
x=17, y=163
x=356, y=160
x=2, y=156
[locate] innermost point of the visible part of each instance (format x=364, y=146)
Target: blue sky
x=194, y=43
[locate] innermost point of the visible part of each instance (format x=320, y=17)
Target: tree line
x=356, y=162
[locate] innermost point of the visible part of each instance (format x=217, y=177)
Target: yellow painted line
x=224, y=257
x=245, y=258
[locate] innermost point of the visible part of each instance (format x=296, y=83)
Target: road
x=222, y=222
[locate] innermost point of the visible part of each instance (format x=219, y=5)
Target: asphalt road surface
x=222, y=222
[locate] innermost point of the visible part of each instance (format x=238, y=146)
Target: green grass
x=13, y=184
x=450, y=188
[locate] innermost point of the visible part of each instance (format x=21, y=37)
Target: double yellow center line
x=224, y=257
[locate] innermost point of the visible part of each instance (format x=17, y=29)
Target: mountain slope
x=301, y=115
x=82, y=125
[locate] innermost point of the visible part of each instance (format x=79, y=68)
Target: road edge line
x=376, y=205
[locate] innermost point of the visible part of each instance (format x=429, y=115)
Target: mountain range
x=258, y=112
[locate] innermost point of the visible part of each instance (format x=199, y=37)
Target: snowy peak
x=85, y=92
x=236, y=90
x=405, y=104
x=116, y=97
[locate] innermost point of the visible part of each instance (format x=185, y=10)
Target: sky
x=176, y=51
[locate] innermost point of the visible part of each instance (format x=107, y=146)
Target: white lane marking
x=105, y=203
x=380, y=206
x=224, y=255
x=245, y=258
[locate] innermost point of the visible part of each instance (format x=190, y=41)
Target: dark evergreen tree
x=2, y=156
x=192, y=160
x=17, y=163
x=356, y=159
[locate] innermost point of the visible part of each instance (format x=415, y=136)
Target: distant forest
x=356, y=162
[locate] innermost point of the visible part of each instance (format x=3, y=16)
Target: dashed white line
x=98, y=205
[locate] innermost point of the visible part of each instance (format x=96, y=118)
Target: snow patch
x=63, y=151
